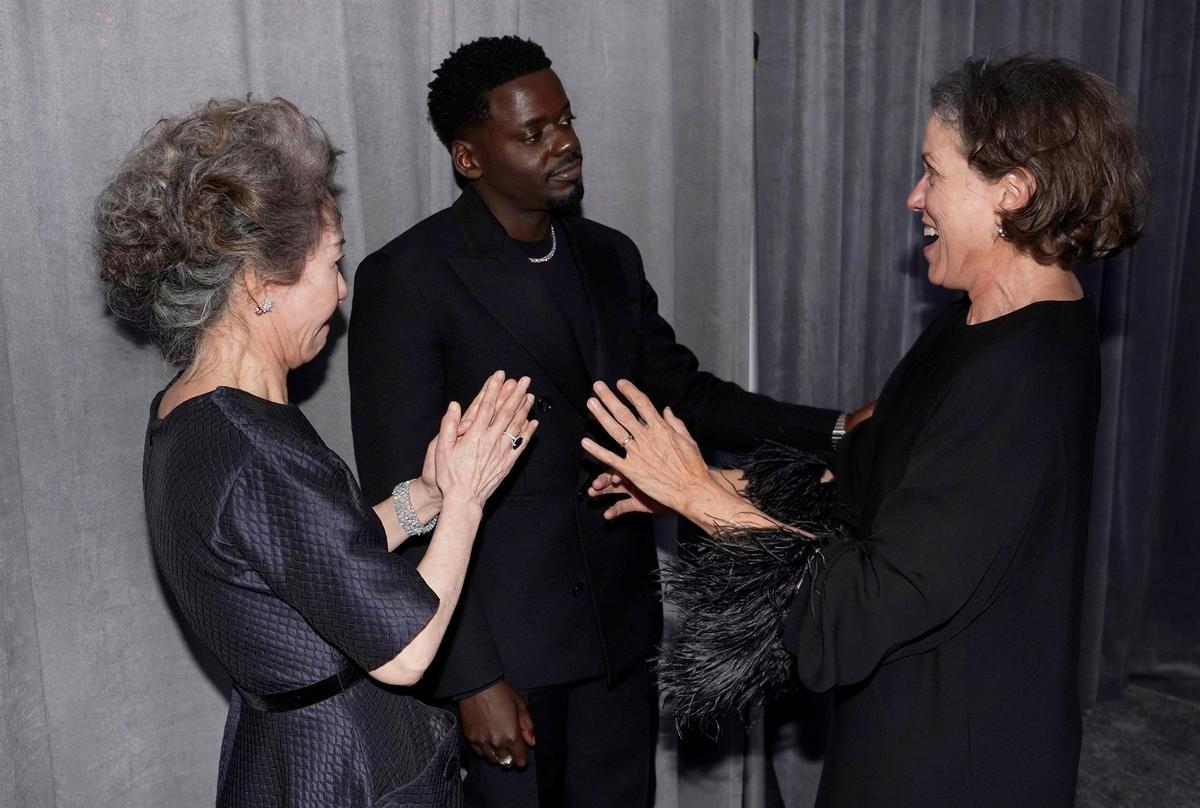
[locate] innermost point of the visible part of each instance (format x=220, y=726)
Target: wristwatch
x=839, y=430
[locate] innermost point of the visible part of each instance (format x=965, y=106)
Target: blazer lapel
x=604, y=282
x=498, y=275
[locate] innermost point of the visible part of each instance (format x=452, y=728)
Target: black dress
x=281, y=569
x=950, y=627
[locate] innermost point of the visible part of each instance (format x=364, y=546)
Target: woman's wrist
x=711, y=504
x=458, y=507
x=426, y=500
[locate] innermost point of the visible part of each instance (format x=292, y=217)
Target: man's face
x=526, y=153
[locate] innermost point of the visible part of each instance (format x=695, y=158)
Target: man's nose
x=567, y=141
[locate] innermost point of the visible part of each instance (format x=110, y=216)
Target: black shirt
x=561, y=276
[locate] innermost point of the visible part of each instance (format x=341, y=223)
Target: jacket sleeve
x=397, y=397
x=719, y=413
x=943, y=542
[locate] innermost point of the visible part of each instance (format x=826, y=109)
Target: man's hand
x=497, y=725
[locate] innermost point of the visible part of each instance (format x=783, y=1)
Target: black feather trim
x=733, y=591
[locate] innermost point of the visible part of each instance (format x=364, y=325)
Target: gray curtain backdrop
x=102, y=699
x=842, y=99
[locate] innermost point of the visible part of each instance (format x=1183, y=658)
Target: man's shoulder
x=626, y=250
x=603, y=233
x=432, y=236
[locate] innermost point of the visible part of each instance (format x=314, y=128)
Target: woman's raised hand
x=475, y=450
x=662, y=462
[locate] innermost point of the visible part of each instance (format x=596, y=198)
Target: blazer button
x=577, y=591
x=544, y=404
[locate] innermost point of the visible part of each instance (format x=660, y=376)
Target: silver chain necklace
x=553, y=248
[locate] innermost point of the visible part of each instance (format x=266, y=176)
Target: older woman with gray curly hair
x=944, y=612
x=220, y=235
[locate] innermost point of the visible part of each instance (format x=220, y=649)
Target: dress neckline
x=156, y=421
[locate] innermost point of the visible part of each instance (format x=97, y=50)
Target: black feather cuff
x=733, y=591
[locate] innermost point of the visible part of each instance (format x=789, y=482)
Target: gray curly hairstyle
x=236, y=184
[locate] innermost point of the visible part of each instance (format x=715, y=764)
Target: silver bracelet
x=839, y=430
x=406, y=515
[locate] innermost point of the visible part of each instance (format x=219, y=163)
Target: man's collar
x=482, y=232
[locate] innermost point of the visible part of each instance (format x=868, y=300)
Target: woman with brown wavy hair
x=220, y=235
x=946, y=616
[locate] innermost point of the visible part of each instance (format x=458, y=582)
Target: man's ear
x=463, y=157
x=1016, y=189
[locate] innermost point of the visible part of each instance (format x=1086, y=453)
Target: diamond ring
x=505, y=761
x=517, y=440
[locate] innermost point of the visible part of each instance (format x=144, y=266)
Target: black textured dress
x=281, y=568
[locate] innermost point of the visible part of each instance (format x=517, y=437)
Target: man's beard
x=568, y=205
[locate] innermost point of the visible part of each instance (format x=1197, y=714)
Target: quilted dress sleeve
x=302, y=523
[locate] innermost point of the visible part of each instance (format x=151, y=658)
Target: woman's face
x=958, y=209
x=302, y=312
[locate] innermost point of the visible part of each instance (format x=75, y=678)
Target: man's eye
x=532, y=137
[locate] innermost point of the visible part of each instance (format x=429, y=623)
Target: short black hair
x=458, y=96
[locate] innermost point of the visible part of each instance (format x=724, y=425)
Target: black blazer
x=554, y=594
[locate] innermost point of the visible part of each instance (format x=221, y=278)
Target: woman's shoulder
x=236, y=420
x=1046, y=355
x=267, y=426
x=1049, y=334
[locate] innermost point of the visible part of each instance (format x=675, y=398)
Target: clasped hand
x=473, y=450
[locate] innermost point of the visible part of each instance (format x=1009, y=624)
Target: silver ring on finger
x=517, y=440
x=626, y=442
x=505, y=761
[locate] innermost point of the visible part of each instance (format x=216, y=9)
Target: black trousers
x=595, y=749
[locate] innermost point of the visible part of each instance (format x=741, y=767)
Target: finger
x=618, y=410
x=525, y=721
x=520, y=755
x=447, y=432
x=518, y=400
x=502, y=397
x=627, y=505
x=603, y=455
x=487, y=402
x=479, y=751
x=641, y=402
x=676, y=423
x=615, y=430
x=473, y=408
x=525, y=434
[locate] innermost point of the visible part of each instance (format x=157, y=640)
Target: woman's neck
x=225, y=361
x=1021, y=282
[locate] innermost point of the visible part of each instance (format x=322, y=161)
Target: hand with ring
x=497, y=725
x=471, y=462
x=662, y=462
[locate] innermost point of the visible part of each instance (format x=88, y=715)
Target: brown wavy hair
x=1071, y=131
x=236, y=184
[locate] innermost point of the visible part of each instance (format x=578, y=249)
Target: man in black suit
x=560, y=611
